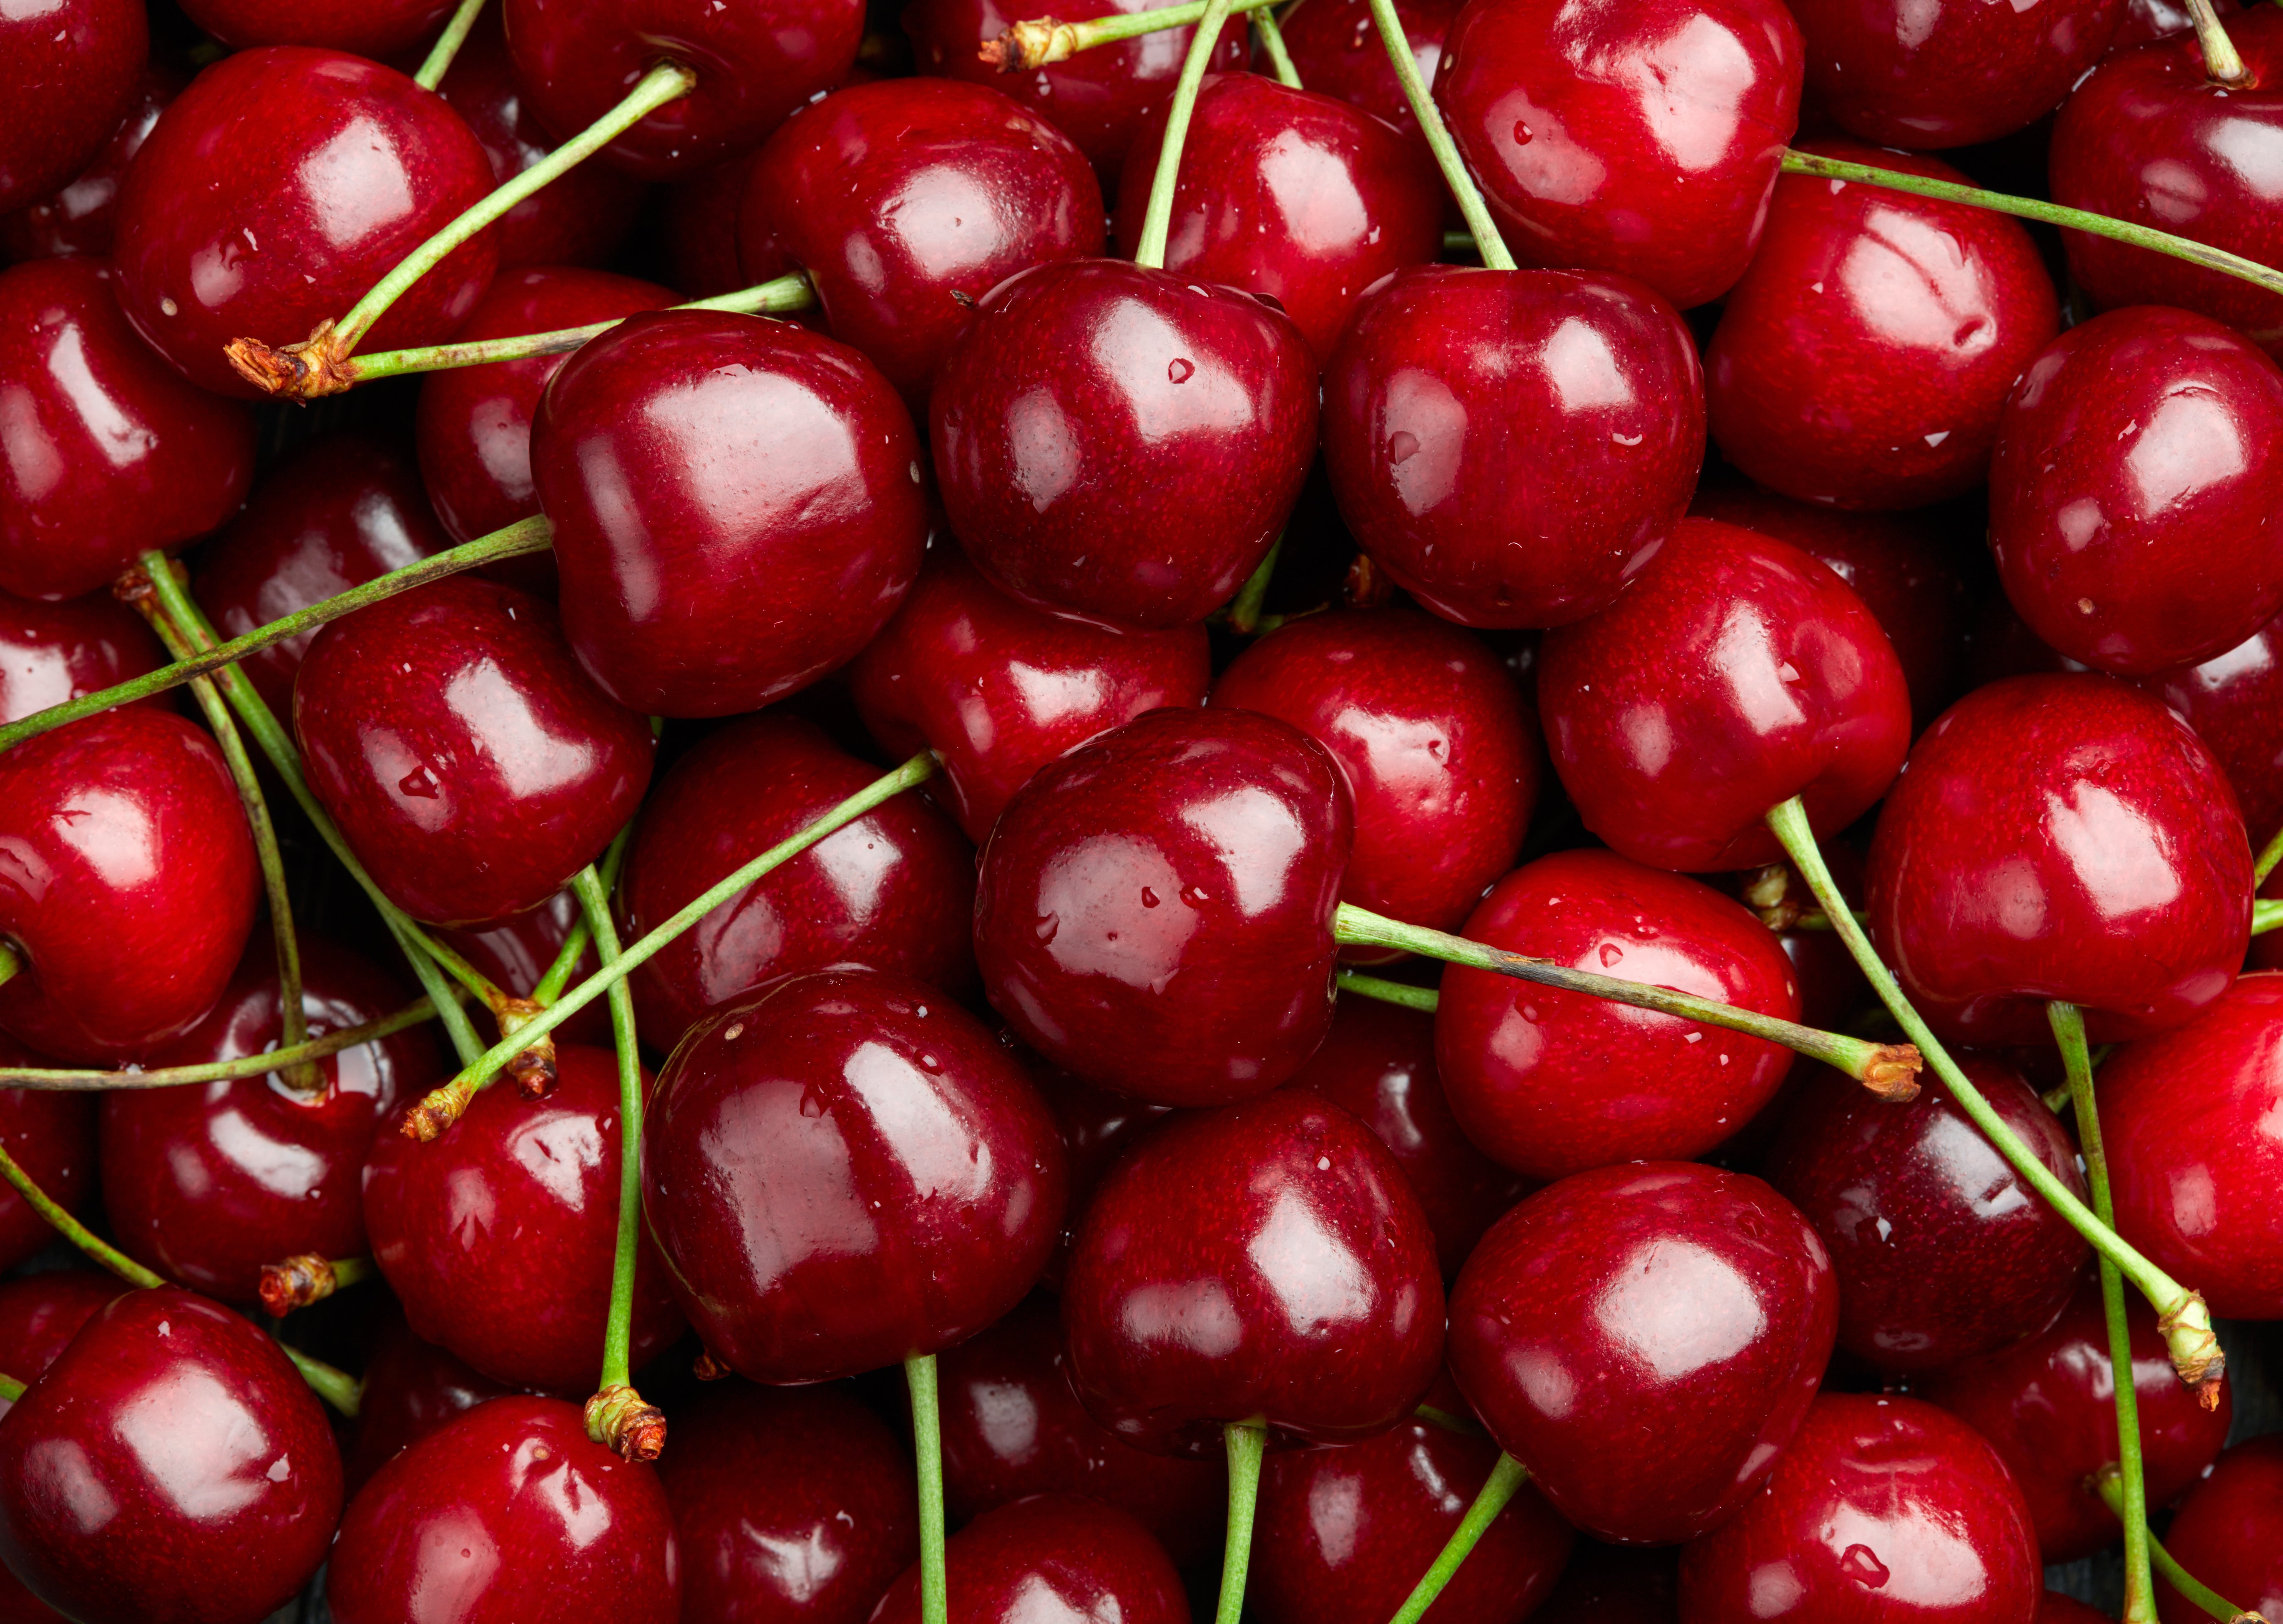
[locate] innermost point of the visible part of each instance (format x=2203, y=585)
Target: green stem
x=1888, y=1069
x=10, y=1389
x=458, y=1030
x=1458, y=242
x=1244, y=608
x=2270, y=855
x=1423, y=999
x=1029, y=46
x=219, y=1070
x=2223, y=63
x=1504, y=1481
x=2266, y=913
x=11, y=963
x=2031, y=208
x=448, y=45
x=2181, y=1314
x=618, y=1331
x=1157, y=218
x=338, y=1389
x=2187, y=1584
x=1464, y=1425
x=1272, y=41
x=1476, y=213
x=1247, y=1441
x=927, y=1445
x=575, y=940
x=73, y=1231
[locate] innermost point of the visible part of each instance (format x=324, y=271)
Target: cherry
x=700, y=231
x=72, y=69
x=2227, y=699
x=1615, y=1584
x=1050, y=1556
x=1119, y=444
x=470, y=763
x=1882, y=1508
x=53, y=651
x=1738, y=673
x=411, y=1388
x=893, y=890
x=2048, y=1407
x=129, y=885
x=1636, y=138
x=376, y=28
x=2153, y=19
x=1440, y=752
x=1096, y=1126
x=1551, y=1083
x=906, y=201
x=737, y=506
x=787, y=1505
x=1265, y=1261
x=1494, y=377
x=999, y=689
x=2059, y=837
x=517, y=952
x=509, y=1515
x=1919, y=314
x=41, y=1313
x=109, y=453
x=1155, y=908
x=498, y=1236
x=77, y=219
x=1292, y=194
x=50, y=1133
x=169, y=1465
x=2225, y=1533
x=1335, y=46
x=1343, y=1534
x=810, y=1228
x=278, y=188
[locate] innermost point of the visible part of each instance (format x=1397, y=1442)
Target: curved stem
x=338, y=1389
x=2187, y=1584
x=2266, y=913
x=439, y=61
x=10, y=1389
x=1476, y=213
x=459, y=1031
x=87, y=1240
x=1505, y=1480
x=2181, y=1314
x=1272, y=41
x=1425, y=999
x=1887, y=1069
x=927, y=1445
x=581, y=932
x=1246, y=1442
x=11, y=963
x=1464, y=1425
x=219, y=1070
x=1157, y=218
x=1244, y=608
x=1029, y=46
x=2270, y=855
x=2223, y=63
x=2031, y=208
x=307, y=1277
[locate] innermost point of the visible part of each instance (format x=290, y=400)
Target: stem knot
x=295, y=1283
x=316, y=367
x=619, y=1420
x=1030, y=45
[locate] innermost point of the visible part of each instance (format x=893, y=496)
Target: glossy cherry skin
x=336, y=513
x=1120, y=445
x=689, y=456
x=699, y=228
x=892, y=891
x=1863, y=359
x=128, y=883
x=50, y=1133
x=77, y=217
x=53, y=651
x=517, y=952
x=1266, y=1259
x=1495, y=378
x=1439, y=749
x=1551, y=1083
x=375, y=28
x=1335, y=48
x=466, y=756
x=72, y=69
x=41, y=1313
x=498, y=1237
x=2059, y=837
x=809, y=1232
x=908, y=200
x=1050, y=1556
x=2225, y=1533
x=1738, y=673
x=1154, y=910
x=1636, y=138
x=2048, y=1407
x=999, y=689
x=787, y=1505
x=169, y=1465
x=1942, y=1251
x=2228, y=701
x=2134, y=491
x=1881, y=1509
x=278, y=188
x=109, y=453
x=411, y=1388
x=510, y=1515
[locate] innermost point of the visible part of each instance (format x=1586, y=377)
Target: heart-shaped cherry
x=411, y=1388
x=2227, y=1533
x=77, y=217
x=2228, y=701
x=517, y=952
x=1050, y=1556
x=53, y=651
x=72, y=69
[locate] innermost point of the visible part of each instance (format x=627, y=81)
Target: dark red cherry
x=999, y=689
x=2134, y=488
x=1050, y=1556
x=1738, y=673
x=1494, y=376
x=171, y=1463
x=50, y=1132
x=844, y=1172
x=77, y=218
x=2153, y=19
x=2227, y=1533
x=1440, y=751
x=1263, y=1261
x=70, y=69
x=2059, y=837
x=278, y=188
x=908, y=200
x=1881, y=1509
x=2230, y=701
x=41, y=1313
x=468, y=759
x=737, y=506
x=411, y=1388
x=789, y=1504
x=1615, y=1584
x=53, y=651
x=334, y=515
x=1121, y=445
x=498, y=1236
x=2048, y=1407
x=893, y=891
x=207, y=1183
x=1636, y=138
x=517, y=952
x=1551, y=1083
x=699, y=230
x=1919, y=314
x=1096, y=1125
x=1154, y=910
x=510, y=1515
x=1942, y=1251
x=1336, y=47
x=109, y=453
x=128, y=887
x=376, y=28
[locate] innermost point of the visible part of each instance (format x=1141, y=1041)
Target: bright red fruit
x=1051, y=1557
x=2225, y=1533
x=53, y=651
x=77, y=218
x=50, y=1133
x=71, y=71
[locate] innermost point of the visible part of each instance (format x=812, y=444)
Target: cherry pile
x=1380, y=810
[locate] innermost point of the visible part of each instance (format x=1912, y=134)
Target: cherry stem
x=1458, y=242
x=1889, y=1070
x=1246, y=1442
x=10, y=1389
x=1157, y=218
x=220, y=1071
x=448, y=45
x=2266, y=913
x=338, y=1389
x=2181, y=1314
x=927, y=1445
x=1505, y=1480
x=1463, y=1424
x=1244, y=617
x=575, y=940
x=2223, y=65
x=1041, y=41
x=2201, y=1595
x=1272, y=41
x=307, y=1277
x=1488, y=242
x=2031, y=208
x=442, y=1107
x=1425, y=999
x=11, y=963
x=2269, y=855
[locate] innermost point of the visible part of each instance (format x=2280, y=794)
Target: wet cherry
x=53, y=651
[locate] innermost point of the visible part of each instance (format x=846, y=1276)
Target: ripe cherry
x=2227, y=700
x=1097, y=1125
x=41, y=1313
x=50, y=1133
x=411, y=1388
x=1055, y=1557
x=73, y=68
x=77, y=217
x=2225, y=1533
x=53, y=651
x=517, y=952
x=1337, y=49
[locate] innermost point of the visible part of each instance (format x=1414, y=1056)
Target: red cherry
x=1335, y=48
x=1096, y=1126
x=516, y=953
x=39, y=1316
x=72, y=69
x=1050, y=1556
x=510, y=1515
x=50, y=1132
x=278, y=188
x=2225, y=1533
x=2153, y=19
x=109, y=453
x=53, y=651
x=700, y=231
x=77, y=219
x=2229, y=700
x=375, y=28
x=411, y=1388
